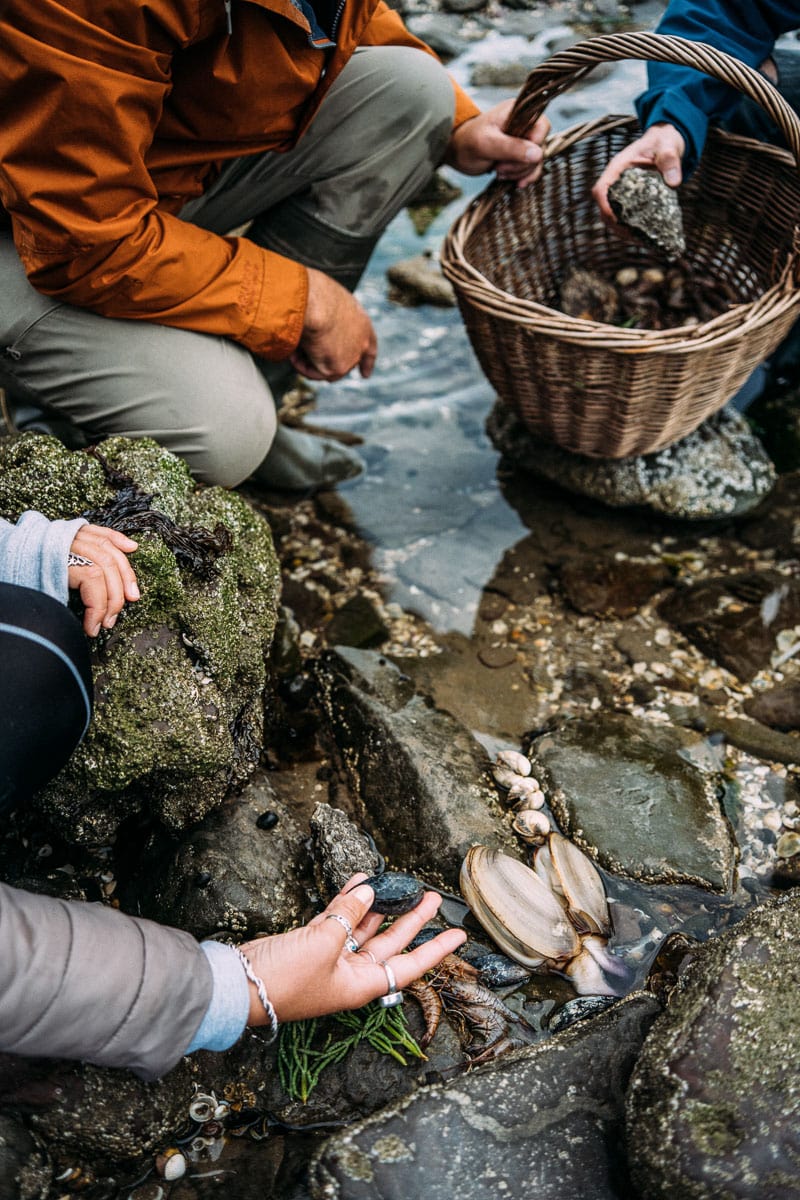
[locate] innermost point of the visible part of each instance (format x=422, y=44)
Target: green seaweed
x=304, y=1051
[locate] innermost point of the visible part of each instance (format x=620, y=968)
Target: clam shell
x=516, y=909
x=527, y=789
x=581, y=885
x=531, y=824
x=515, y=762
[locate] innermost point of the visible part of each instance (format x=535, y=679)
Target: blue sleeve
x=33, y=553
x=689, y=99
x=226, y=1016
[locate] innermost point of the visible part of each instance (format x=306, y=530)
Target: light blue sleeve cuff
x=226, y=1015
x=33, y=553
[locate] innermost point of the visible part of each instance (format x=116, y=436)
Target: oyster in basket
x=642, y=200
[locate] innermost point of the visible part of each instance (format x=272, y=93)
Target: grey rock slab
x=544, y=1121
x=623, y=790
x=719, y=470
x=713, y=1107
x=420, y=776
x=642, y=200
x=228, y=875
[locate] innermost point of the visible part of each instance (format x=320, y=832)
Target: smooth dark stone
x=395, y=893
x=611, y=588
x=778, y=708
x=267, y=820
x=734, y=618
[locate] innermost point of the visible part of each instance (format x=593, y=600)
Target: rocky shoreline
x=647, y=667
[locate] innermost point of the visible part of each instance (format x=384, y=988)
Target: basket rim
x=739, y=318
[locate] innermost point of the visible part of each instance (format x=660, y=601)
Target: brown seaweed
x=131, y=512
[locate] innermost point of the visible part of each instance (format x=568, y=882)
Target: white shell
x=516, y=909
x=515, y=762
x=581, y=885
x=527, y=790
x=504, y=777
x=531, y=824
x=171, y=1165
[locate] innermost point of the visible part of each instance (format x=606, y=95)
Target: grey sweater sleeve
x=33, y=553
x=85, y=981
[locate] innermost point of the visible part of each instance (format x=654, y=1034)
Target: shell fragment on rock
x=554, y=916
x=641, y=200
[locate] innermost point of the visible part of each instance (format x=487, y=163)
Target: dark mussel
x=395, y=893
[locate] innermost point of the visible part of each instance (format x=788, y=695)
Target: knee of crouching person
x=239, y=442
x=423, y=92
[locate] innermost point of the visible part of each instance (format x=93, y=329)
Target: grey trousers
x=378, y=136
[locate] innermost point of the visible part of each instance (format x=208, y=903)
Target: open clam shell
x=567, y=871
x=516, y=909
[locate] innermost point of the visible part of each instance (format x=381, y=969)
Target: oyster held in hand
x=642, y=200
x=552, y=917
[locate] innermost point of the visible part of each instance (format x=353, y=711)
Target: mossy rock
x=179, y=681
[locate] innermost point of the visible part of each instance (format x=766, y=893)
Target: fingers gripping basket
x=599, y=389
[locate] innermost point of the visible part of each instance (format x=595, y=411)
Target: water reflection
x=430, y=502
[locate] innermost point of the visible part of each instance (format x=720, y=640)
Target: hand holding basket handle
x=605, y=390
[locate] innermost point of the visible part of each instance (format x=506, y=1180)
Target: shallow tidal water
x=430, y=502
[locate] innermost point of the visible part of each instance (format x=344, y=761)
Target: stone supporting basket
x=602, y=390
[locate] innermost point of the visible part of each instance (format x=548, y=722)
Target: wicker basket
x=598, y=389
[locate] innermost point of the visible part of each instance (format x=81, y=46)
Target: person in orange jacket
x=138, y=137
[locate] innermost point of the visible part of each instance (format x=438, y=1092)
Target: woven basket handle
x=561, y=71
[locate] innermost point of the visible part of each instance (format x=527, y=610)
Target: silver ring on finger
x=343, y=921
x=352, y=945
x=369, y=954
x=392, y=996
x=77, y=560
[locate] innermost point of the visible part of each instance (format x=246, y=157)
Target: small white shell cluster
x=512, y=773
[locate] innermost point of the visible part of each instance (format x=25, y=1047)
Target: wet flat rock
x=622, y=790
x=419, y=774
x=541, y=1122
x=734, y=619
x=713, y=1108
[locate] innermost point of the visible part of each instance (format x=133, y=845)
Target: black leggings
x=45, y=690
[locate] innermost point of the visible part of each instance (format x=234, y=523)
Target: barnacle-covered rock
x=642, y=200
x=713, y=1107
x=179, y=681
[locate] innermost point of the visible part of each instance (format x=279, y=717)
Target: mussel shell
x=395, y=893
x=516, y=909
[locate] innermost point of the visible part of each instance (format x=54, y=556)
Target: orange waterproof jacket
x=116, y=112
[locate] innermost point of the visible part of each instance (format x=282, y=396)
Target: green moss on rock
x=179, y=681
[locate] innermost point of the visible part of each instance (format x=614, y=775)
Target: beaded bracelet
x=262, y=993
